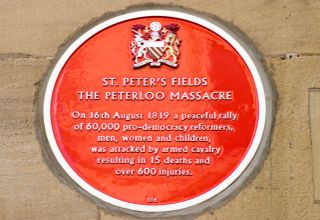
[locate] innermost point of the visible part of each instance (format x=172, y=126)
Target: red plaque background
x=107, y=54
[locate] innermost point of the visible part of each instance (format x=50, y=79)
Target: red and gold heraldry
x=155, y=44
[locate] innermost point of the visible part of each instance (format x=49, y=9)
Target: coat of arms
x=155, y=44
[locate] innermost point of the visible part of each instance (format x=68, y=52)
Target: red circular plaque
x=155, y=110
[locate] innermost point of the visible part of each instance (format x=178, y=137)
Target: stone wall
x=287, y=34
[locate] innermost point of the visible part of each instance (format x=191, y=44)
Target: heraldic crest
x=155, y=45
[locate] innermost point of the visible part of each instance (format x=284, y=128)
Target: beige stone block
x=314, y=105
x=28, y=189
x=39, y=27
x=291, y=155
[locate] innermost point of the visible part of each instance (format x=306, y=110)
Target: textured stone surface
x=28, y=189
x=314, y=107
x=31, y=32
x=39, y=27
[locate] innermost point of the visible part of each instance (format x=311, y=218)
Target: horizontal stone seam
x=292, y=55
x=13, y=56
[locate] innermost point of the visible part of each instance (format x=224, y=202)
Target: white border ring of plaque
x=253, y=159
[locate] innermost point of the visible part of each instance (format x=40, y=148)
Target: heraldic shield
x=155, y=45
